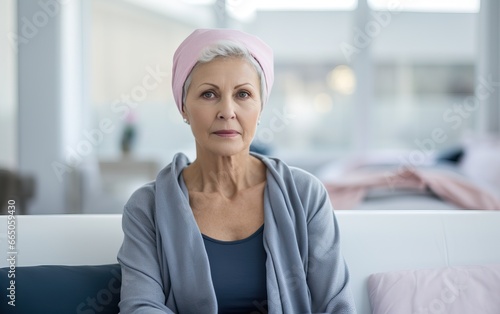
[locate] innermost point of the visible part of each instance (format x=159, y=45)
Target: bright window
x=304, y=5
x=465, y=6
x=285, y=4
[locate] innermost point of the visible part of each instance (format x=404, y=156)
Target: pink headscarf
x=187, y=55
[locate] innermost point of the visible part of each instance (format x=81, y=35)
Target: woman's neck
x=226, y=175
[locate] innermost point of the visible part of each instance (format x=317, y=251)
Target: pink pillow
x=457, y=290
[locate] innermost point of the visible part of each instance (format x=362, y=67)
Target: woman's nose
x=226, y=110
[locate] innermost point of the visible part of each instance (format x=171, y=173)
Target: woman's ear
x=184, y=114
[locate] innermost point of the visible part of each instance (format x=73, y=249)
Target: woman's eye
x=243, y=94
x=208, y=95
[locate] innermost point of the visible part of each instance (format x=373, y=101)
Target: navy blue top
x=238, y=271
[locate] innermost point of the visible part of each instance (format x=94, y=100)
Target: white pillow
x=457, y=290
x=481, y=162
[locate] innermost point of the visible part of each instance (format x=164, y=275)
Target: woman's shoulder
x=142, y=201
x=144, y=196
x=305, y=178
x=310, y=189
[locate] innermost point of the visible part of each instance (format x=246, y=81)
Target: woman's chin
x=228, y=149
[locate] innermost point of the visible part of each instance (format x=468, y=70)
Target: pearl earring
x=186, y=121
x=258, y=122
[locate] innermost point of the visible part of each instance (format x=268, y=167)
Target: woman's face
x=223, y=105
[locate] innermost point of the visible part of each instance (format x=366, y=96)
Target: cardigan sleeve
x=142, y=287
x=327, y=272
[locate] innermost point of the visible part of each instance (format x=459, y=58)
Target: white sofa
x=371, y=241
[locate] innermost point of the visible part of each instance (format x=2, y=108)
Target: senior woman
x=232, y=231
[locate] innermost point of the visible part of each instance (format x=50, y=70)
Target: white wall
x=317, y=36
x=429, y=38
x=303, y=36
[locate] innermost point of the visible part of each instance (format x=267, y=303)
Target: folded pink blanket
x=349, y=192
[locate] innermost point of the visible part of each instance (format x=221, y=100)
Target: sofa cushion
x=458, y=290
x=62, y=289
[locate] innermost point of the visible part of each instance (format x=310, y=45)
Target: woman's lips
x=226, y=133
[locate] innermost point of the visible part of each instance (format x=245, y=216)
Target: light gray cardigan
x=165, y=268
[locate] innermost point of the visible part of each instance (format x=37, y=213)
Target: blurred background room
x=87, y=113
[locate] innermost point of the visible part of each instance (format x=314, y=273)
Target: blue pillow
x=58, y=289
